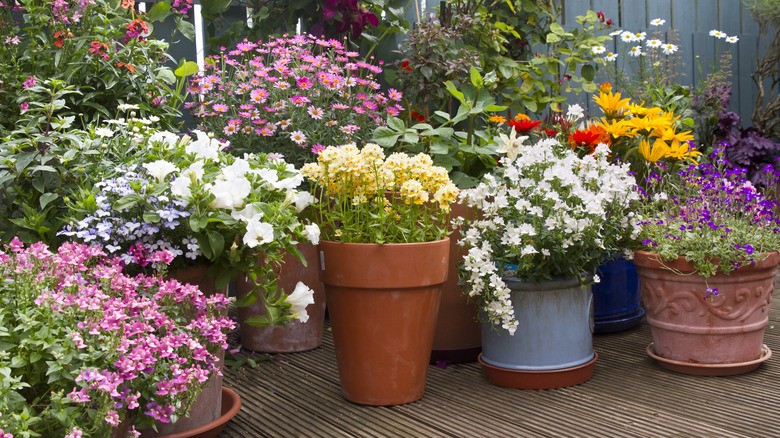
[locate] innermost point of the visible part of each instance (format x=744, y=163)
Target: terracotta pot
x=295, y=336
x=703, y=333
x=208, y=406
x=458, y=337
x=382, y=301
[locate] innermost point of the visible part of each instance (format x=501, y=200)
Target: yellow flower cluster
x=363, y=174
x=654, y=129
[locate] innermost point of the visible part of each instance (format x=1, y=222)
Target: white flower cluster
x=549, y=213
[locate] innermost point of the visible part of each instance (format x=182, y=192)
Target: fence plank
x=703, y=51
x=747, y=89
x=573, y=8
x=660, y=9
x=633, y=15
x=730, y=21
x=706, y=15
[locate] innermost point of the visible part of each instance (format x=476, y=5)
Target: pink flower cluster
x=301, y=91
x=147, y=334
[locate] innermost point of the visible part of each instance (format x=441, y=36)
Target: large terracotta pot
x=208, y=406
x=457, y=337
x=295, y=336
x=719, y=336
x=382, y=301
x=553, y=344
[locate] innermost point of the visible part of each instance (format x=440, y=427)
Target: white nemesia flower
x=511, y=144
x=258, y=233
x=575, y=112
x=657, y=22
x=301, y=297
x=160, y=169
x=312, y=232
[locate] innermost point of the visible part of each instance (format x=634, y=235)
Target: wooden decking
x=298, y=395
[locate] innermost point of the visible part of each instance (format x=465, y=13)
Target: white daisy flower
x=615, y=32
x=717, y=34
x=732, y=39
x=669, y=49
x=610, y=57
x=598, y=50
x=636, y=51
x=657, y=22
x=654, y=44
x=627, y=37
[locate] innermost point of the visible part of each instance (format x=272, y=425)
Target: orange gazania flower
x=606, y=87
x=588, y=138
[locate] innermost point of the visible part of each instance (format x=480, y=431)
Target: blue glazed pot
x=555, y=329
x=616, y=298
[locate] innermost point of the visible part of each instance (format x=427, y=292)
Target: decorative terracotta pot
x=208, y=406
x=694, y=335
x=457, y=337
x=295, y=336
x=553, y=344
x=382, y=301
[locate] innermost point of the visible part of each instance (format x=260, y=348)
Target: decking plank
x=629, y=396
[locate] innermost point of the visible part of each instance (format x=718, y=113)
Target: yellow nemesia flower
x=658, y=151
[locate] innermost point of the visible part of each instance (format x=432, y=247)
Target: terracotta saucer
x=231, y=404
x=549, y=379
x=710, y=369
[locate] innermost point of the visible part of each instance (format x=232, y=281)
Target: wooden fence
x=691, y=19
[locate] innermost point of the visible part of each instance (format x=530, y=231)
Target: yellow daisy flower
x=658, y=151
x=612, y=105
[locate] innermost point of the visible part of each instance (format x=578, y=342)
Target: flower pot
x=229, y=406
x=457, y=337
x=719, y=336
x=616, y=298
x=382, y=301
x=208, y=405
x=295, y=336
x=553, y=344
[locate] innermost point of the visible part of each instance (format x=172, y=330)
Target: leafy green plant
x=466, y=154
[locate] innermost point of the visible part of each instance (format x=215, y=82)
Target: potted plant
x=545, y=221
x=707, y=259
x=383, y=257
x=89, y=349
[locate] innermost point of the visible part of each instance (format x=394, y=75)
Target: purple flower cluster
x=301, y=92
x=136, y=332
x=712, y=211
x=127, y=233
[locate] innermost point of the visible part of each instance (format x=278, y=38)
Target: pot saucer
x=550, y=379
x=618, y=325
x=231, y=404
x=710, y=369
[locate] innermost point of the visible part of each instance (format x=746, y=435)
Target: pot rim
x=654, y=260
x=519, y=284
x=333, y=242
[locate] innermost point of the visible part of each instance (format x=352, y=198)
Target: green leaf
x=476, y=78
x=205, y=247
x=151, y=217
x=552, y=38
x=217, y=242
x=46, y=198
x=187, y=29
x=411, y=137
x=588, y=72
x=187, y=68
x=528, y=85
x=495, y=108
x=557, y=29
x=454, y=91
x=385, y=137
x=396, y=124
x=159, y=12
x=24, y=159
x=215, y=7
x=439, y=147
x=127, y=201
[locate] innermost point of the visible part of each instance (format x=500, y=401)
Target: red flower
x=60, y=37
x=588, y=138
x=550, y=132
x=405, y=66
x=417, y=116
x=127, y=66
x=523, y=125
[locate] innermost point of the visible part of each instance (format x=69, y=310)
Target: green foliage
x=106, y=51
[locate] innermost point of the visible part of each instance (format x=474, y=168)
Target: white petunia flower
x=303, y=200
x=230, y=193
x=312, y=232
x=160, y=169
x=258, y=233
x=301, y=297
